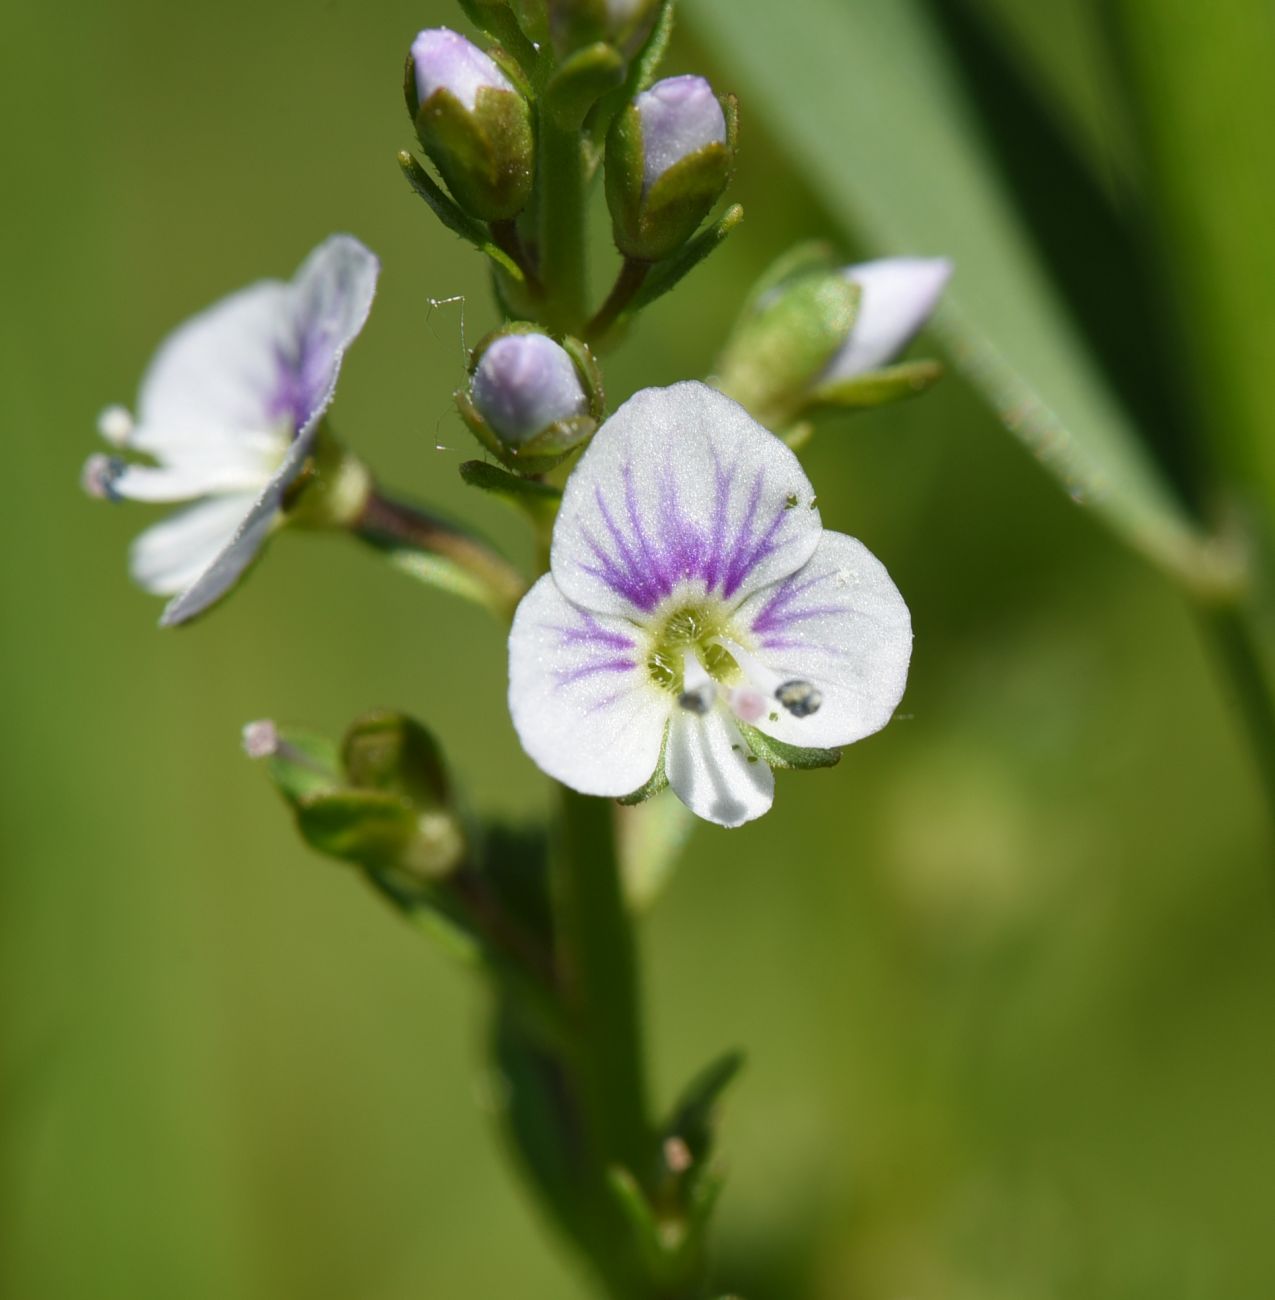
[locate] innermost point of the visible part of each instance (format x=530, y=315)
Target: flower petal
x=898, y=295
x=332, y=295
x=239, y=551
x=713, y=772
x=681, y=487
x=171, y=554
x=582, y=702
x=840, y=624
x=261, y=361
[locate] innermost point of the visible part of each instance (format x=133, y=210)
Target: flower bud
x=472, y=121
x=621, y=23
x=669, y=156
x=523, y=384
x=896, y=297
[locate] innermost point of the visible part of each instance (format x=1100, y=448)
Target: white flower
x=897, y=297
x=229, y=410
x=694, y=594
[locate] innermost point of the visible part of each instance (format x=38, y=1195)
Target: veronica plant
x=691, y=622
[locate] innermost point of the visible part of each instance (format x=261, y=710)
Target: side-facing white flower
x=694, y=595
x=229, y=411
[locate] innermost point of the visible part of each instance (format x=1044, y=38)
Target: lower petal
x=840, y=624
x=582, y=701
x=171, y=554
x=713, y=772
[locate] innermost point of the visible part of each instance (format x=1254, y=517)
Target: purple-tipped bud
x=897, y=296
x=260, y=739
x=445, y=60
x=679, y=117
x=523, y=384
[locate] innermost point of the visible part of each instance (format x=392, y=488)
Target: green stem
x=631, y=278
x=563, y=266
x=439, y=552
x=598, y=976
x=1238, y=642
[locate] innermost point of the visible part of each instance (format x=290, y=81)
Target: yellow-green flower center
x=694, y=628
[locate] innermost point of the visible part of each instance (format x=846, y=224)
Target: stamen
x=801, y=699
x=100, y=474
x=115, y=424
x=699, y=691
x=260, y=739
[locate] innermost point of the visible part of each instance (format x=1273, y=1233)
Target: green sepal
x=537, y=455
x=650, y=226
x=693, y=1117
x=778, y=351
x=775, y=753
x=486, y=155
x=453, y=218
x=575, y=23
x=392, y=753
x=369, y=827
x=580, y=82
x=661, y=1240
x=540, y=500
x=796, y=263
x=303, y=764
x=590, y=373
x=879, y=387
x=669, y=273
x=658, y=780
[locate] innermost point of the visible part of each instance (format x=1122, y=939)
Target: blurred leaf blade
x=914, y=176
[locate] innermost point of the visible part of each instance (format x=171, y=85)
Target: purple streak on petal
x=748, y=550
x=566, y=676
x=778, y=614
x=722, y=480
x=592, y=633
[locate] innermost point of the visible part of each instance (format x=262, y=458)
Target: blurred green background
x=1005, y=976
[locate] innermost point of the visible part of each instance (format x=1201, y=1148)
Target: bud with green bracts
x=472, y=122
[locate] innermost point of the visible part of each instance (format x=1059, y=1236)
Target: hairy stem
x=563, y=266
x=631, y=278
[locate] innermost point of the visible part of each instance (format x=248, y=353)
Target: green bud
x=473, y=122
x=669, y=157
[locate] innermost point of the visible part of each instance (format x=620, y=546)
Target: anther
x=260, y=739
x=100, y=474
x=699, y=699
x=801, y=699
x=115, y=424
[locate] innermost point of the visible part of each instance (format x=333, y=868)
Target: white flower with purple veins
x=897, y=295
x=228, y=412
x=695, y=610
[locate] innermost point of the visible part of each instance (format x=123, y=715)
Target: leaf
x=779, y=754
x=670, y=273
x=872, y=109
x=694, y=1114
x=878, y=387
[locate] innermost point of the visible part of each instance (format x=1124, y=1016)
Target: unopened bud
x=669, y=156
x=523, y=384
x=621, y=23
x=896, y=297
x=472, y=121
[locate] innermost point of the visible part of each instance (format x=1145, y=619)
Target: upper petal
x=897, y=296
x=331, y=296
x=681, y=486
x=263, y=360
x=840, y=624
x=713, y=772
x=582, y=702
x=240, y=549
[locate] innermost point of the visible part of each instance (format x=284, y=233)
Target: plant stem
x=632, y=275
x=563, y=266
x=598, y=973
x=439, y=552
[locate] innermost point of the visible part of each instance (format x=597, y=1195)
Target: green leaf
x=367, y=827
x=693, y=1117
x=778, y=754
x=540, y=500
x=927, y=185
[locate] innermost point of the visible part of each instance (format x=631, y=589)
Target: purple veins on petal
x=567, y=676
x=593, y=633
